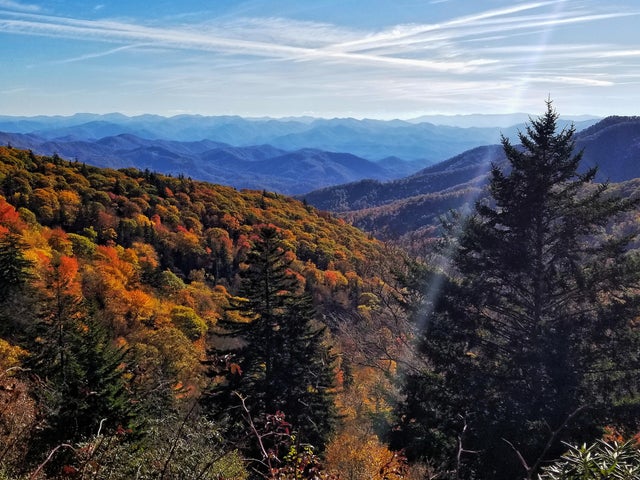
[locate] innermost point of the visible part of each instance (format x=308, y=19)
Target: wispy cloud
x=484, y=54
x=189, y=39
x=406, y=34
x=22, y=7
x=436, y=47
x=13, y=91
x=561, y=79
x=482, y=27
x=620, y=53
x=105, y=53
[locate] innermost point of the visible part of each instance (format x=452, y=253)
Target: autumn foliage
x=115, y=281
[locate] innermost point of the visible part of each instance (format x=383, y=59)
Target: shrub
x=600, y=460
x=188, y=321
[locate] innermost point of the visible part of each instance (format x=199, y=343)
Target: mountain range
x=290, y=155
x=401, y=207
x=412, y=140
x=384, y=197
x=254, y=167
x=490, y=120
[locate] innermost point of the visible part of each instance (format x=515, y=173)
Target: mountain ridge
x=398, y=207
x=242, y=167
x=368, y=138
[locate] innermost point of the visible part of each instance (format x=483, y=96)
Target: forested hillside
x=159, y=327
x=408, y=209
x=253, y=166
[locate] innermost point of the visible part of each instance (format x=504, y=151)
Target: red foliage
x=9, y=217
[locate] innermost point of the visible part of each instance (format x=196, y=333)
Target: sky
x=323, y=58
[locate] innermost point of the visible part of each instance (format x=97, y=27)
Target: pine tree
x=91, y=394
x=15, y=300
x=531, y=341
x=14, y=267
x=283, y=364
x=79, y=372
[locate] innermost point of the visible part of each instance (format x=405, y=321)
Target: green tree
x=79, y=373
x=283, y=364
x=14, y=267
x=90, y=396
x=188, y=322
x=530, y=341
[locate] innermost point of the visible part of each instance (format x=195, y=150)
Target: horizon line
x=408, y=117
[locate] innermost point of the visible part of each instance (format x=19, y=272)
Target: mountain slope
x=614, y=146
x=117, y=288
x=464, y=168
x=377, y=139
x=415, y=203
x=262, y=167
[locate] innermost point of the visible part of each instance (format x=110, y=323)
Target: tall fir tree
x=14, y=267
x=531, y=341
x=16, y=303
x=79, y=372
x=283, y=364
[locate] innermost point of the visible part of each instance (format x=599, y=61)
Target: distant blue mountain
x=257, y=167
x=415, y=203
x=497, y=120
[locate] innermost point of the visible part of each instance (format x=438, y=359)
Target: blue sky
x=327, y=58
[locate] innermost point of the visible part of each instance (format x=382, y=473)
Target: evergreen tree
x=14, y=267
x=283, y=364
x=531, y=341
x=15, y=301
x=91, y=394
x=79, y=372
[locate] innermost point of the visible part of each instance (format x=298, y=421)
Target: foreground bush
x=600, y=460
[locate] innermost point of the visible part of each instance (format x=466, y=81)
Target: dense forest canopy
x=160, y=327
x=117, y=290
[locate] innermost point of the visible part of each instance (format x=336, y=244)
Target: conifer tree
x=91, y=394
x=14, y=266
x=79, y=372
x=15, y=300
x=283, y=364
x=531, y=342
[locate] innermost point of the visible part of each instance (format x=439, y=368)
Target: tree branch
x=552, y=438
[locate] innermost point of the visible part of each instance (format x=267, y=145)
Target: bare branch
x=520, y=457
x=530, y=470
x=259, y=437
x=554, y=437
x=37, y=471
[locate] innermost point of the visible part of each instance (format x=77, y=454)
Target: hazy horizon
x=506, y=115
